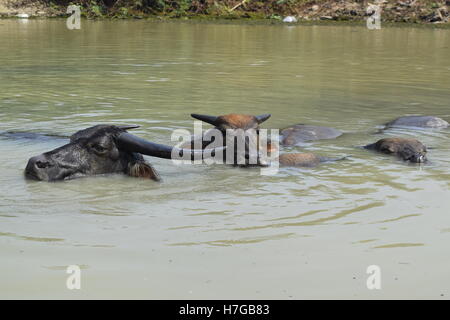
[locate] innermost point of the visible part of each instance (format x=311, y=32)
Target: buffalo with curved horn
x=234, y=129
x=103, y=149
x=233, y=120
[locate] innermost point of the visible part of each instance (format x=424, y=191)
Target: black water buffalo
x=102, y=149
x=240, y=125
x=407, y=149
x=418, y=122
x=300, y=133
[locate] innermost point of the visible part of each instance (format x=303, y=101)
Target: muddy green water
x=219, y=232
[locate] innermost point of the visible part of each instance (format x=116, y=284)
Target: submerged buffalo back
x=299, y=160
x=301, y=133
x=418, y=122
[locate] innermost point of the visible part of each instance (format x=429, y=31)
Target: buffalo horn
x=263, y=117
x=127, y=141
x=208, y=119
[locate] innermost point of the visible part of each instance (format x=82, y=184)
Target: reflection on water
x=38, y=239
x=55, y=82
x=400, y=245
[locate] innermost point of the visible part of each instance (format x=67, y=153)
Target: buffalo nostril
x=418, y=158
x=39, y=162
x=42, y=164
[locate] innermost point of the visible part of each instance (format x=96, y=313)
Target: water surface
x=220, y=232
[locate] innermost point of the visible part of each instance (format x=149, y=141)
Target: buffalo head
x=235, y=128
x=407, y=149
x=233, y=121
x=100, y=149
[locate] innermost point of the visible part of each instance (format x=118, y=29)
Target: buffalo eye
x=387, y=149
x=99, y=149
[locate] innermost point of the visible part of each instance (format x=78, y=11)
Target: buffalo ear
x=129, y=127
x=388, y=148
x=263, y=117
x=142, y=169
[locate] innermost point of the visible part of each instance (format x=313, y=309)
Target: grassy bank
x=411, y=11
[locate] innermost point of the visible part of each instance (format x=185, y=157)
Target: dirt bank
x=412, y=11
x=11, y=8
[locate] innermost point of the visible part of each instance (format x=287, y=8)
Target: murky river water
x=221, y=232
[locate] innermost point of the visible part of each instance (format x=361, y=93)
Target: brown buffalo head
x=244, y=127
